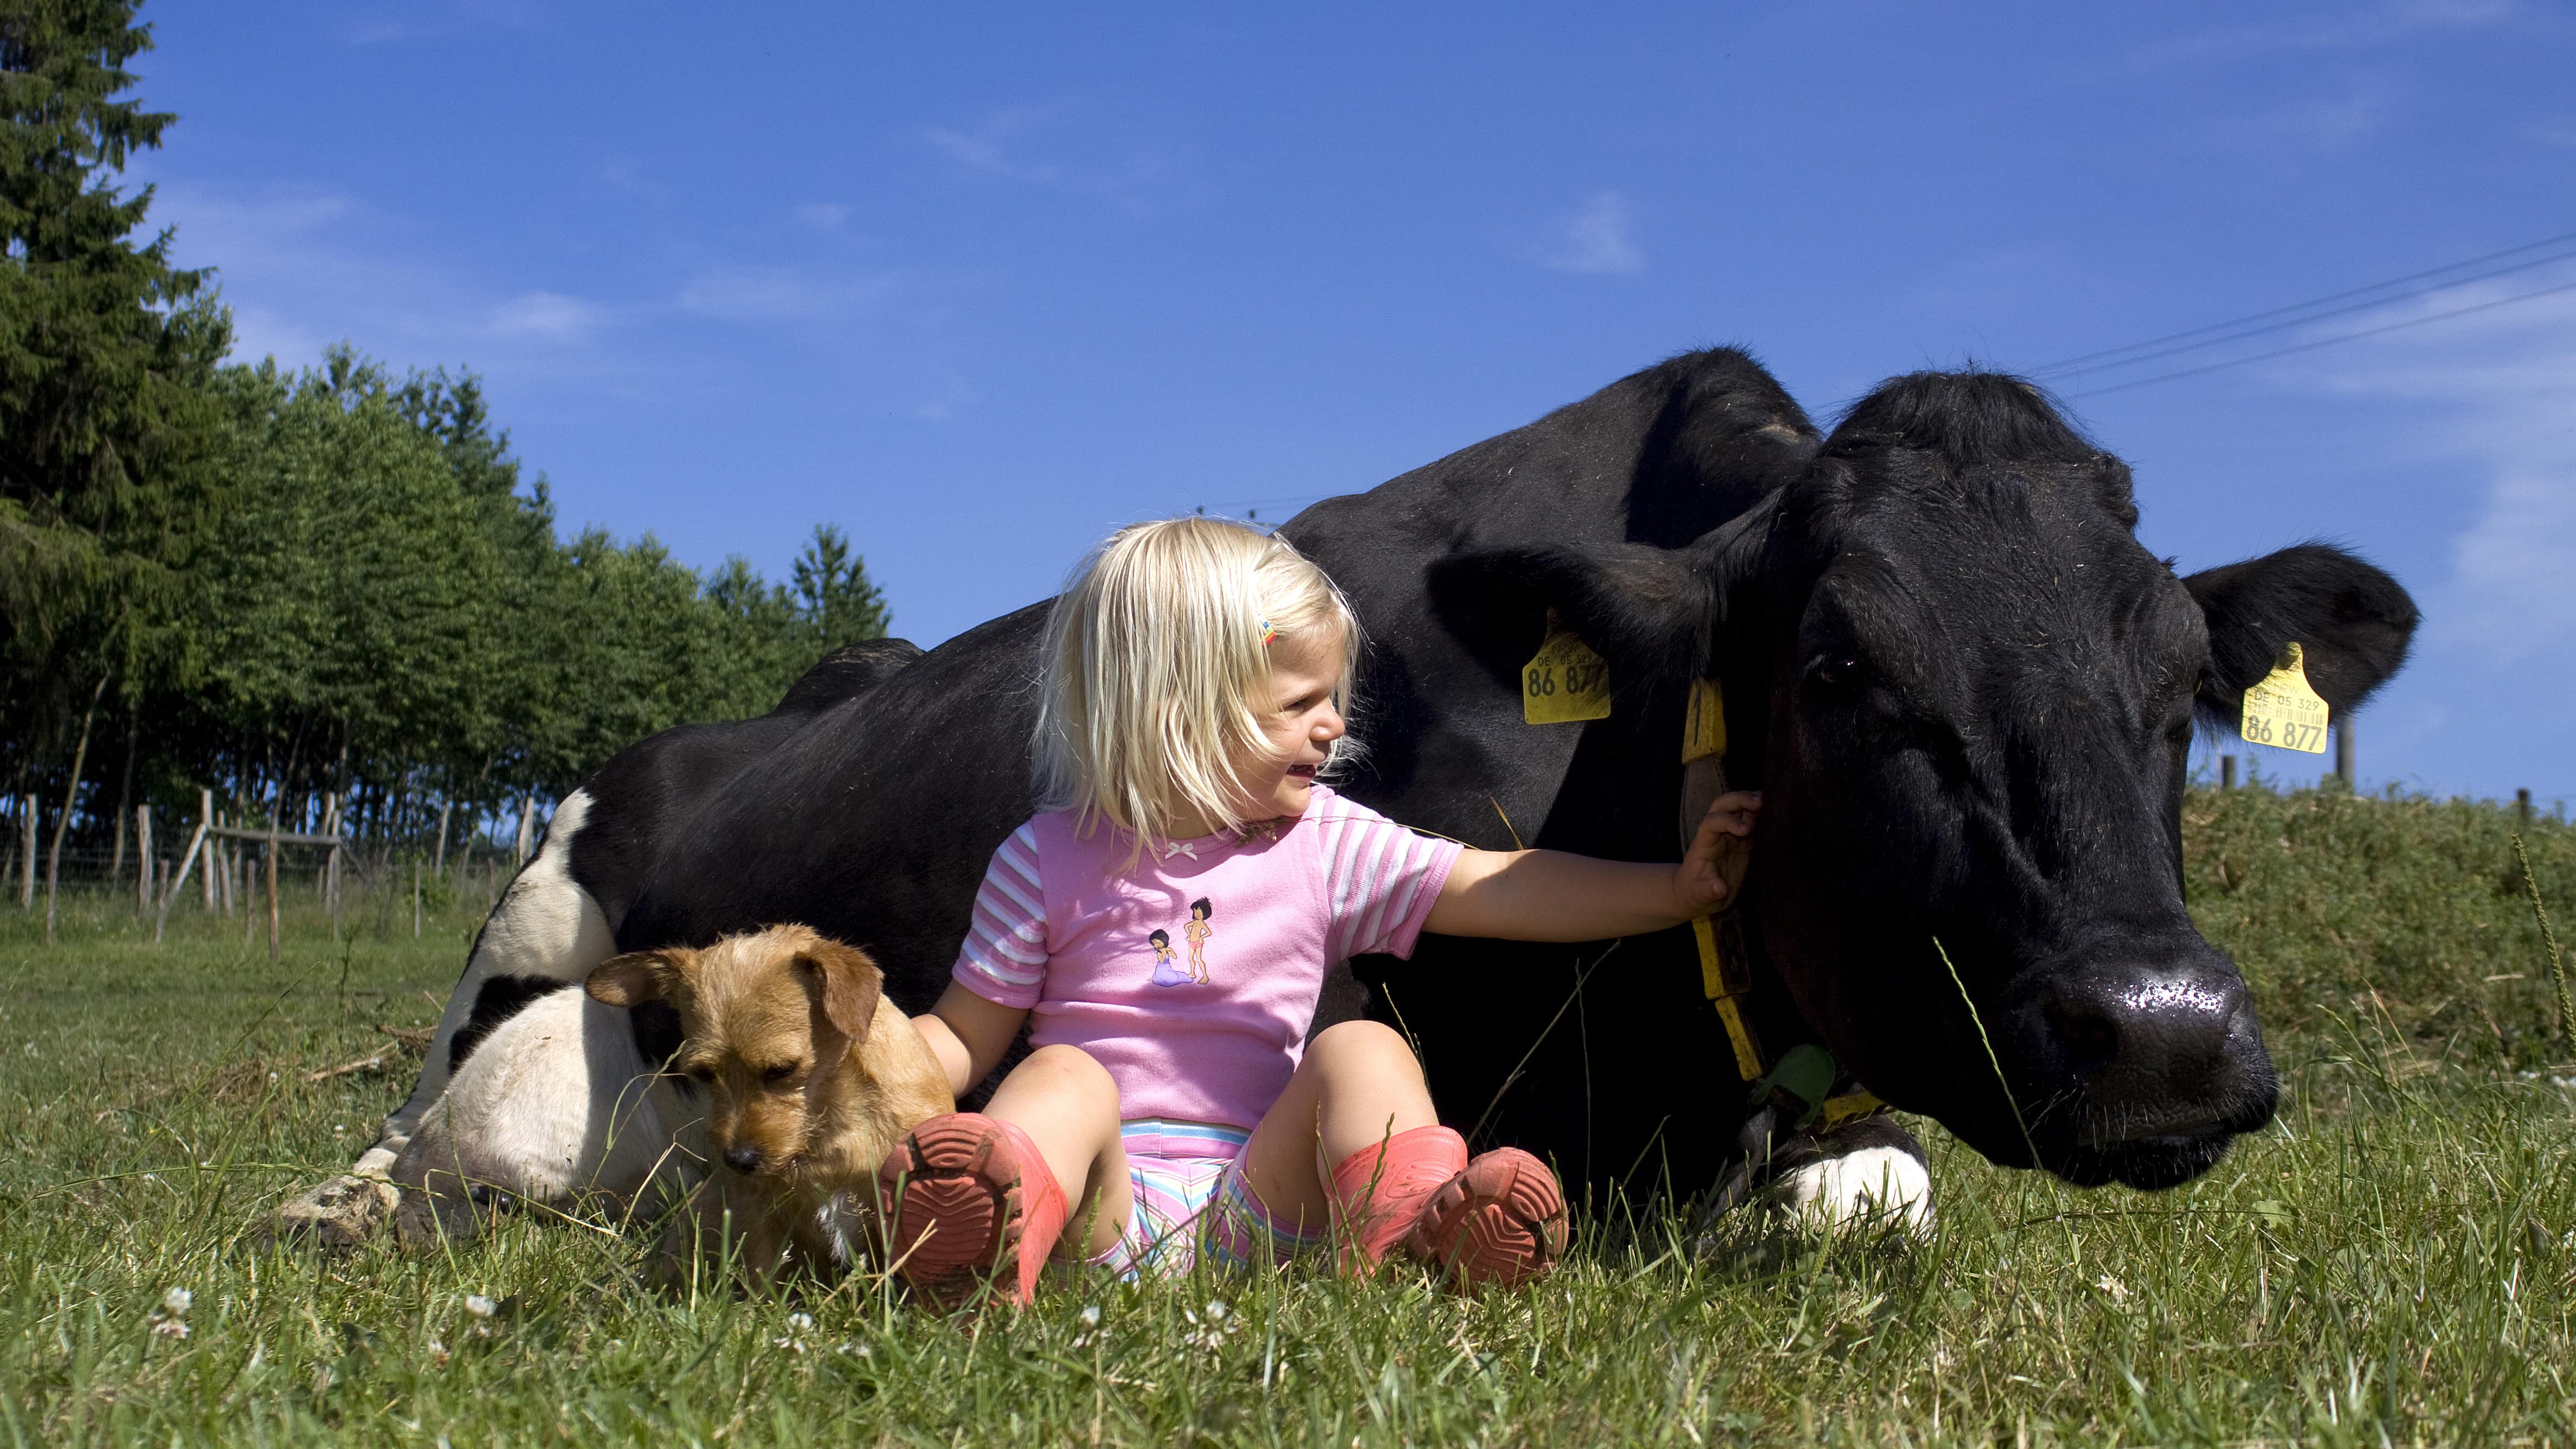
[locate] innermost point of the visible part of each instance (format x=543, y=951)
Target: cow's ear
x=845, y=984
x=634, y=978
x=2352, y=622
x=1648, y=611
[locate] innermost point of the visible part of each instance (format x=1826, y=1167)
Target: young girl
x=1196, y=674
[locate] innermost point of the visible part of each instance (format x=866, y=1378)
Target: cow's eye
x=779, y=1073
x=1836, y=673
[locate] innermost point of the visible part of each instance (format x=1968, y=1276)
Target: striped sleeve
x=1004, y=955
x=1381, y=879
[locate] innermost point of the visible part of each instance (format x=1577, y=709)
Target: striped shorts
x=1191, y=1198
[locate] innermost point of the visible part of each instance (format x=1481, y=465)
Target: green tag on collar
x=1806, y=1074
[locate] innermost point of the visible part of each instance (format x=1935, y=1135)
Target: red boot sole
x=1500, y=1221
x=955, y=1224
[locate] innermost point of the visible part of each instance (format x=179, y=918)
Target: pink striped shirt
x=1192, y=977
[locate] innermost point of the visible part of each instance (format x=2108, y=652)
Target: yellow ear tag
x=2282, y=710
x=1704, y=728
x=1564, y=682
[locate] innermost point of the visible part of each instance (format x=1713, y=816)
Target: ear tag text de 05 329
x=2283, y=710
x=1564, y=682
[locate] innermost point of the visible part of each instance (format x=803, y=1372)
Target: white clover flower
x=1091, y=1315
x=1216, y=1310
x=171, y=1327
x=480, y=1306
x=800, y=1322
x=177, y=1302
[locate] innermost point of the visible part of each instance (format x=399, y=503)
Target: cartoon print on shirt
x=1197, y=932
x=1165, y=972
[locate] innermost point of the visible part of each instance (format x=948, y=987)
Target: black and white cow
x=1964, y=687
x=560, y=915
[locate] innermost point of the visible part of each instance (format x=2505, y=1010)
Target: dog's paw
x=337, y=1214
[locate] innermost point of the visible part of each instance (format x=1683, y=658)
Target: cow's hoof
x=337, y=1214
x=1867, y=1180
x=426, y=1220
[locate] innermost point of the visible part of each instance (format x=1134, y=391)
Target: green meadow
x=2394, y=1262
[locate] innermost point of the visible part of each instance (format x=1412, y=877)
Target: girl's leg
x=987, y=1194
x=1358, y=1087
x=1065, y=1101
x=1354, y=1142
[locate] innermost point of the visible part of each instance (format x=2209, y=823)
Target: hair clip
x=1269, y=632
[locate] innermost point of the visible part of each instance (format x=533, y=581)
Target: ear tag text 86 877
x=2283, y=710
x=1564, y=682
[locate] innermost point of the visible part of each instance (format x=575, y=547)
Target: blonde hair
x=1158, y=672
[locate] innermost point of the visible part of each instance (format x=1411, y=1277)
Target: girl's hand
x=1712, y=870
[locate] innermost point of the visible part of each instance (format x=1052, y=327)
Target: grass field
x=2395, y=1262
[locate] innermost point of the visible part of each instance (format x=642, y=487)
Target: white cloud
x=2342, y=28
x=781, y=294
x=1598, y=240
x=546, y=314
x=828, y=218
x=988, y=147
x=1037, y=145
x=2504, y=384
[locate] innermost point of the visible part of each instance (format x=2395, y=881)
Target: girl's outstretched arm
x=1549, y=895
x=968, y=1034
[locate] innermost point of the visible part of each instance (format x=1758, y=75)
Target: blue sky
x=981, y=284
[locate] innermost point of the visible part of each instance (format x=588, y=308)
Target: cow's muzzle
x=2142, y=1073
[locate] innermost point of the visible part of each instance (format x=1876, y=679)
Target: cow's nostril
x=743, y=1157
x=2085, y=1033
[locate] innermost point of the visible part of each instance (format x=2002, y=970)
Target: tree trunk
x=124, y=802
x=71, y=797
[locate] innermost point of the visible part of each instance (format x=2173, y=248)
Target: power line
x=2072, y=363
x=2064, y=370
x=2328, y=341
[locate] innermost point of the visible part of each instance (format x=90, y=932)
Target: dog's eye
x=778, y=1074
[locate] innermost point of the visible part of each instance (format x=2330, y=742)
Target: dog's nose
x=743, y=1157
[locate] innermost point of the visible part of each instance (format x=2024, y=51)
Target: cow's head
x=1967, y=693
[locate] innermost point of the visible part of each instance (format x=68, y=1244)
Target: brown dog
x=811, y=1074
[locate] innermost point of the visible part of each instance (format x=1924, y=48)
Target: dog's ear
x=634, y=978
x=846, y=985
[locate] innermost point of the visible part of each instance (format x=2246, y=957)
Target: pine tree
x=834, y=595
x=104, y=346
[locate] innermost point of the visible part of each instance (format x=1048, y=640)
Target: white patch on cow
x=554, y=1105
x=546, y=926
x=1874, y=1189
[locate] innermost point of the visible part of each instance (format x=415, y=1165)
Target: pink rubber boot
x=1380, y=1190
x=968, y=1200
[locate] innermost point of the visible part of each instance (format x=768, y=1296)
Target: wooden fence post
x=270, y=869
x=143, y=857
x=27, y=854
x=2227, y=772
x=415, y=900
x=196, y=847
x=439, y=865
x=206, y=817
x=2343, y=752
x=527, y=821
x=2522, y=806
